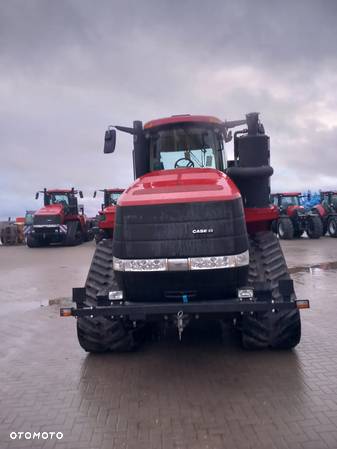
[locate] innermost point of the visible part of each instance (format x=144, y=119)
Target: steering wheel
x=188, y=165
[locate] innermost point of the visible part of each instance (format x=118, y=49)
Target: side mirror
x=110, y=140
x=80, y=193
x=36, y=195
x=95, y=193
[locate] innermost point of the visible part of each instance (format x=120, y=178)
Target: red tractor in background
x=61, y=220
x=106, y=216
x=327, y=211
x=293, y=219
x=192, y=241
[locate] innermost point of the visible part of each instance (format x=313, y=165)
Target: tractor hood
x=291, y=210
x=109, y=210
x=180, y=214
x=52, y=209
x=180, y=186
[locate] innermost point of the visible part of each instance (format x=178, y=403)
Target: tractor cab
x=287, y=203
x=111, y=196
x=65, y=198
x=106, y=216
x=329, y=200
x=196, y=142
x=177, y=142
x=184, y=145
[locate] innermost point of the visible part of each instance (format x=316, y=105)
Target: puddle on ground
x=324, y=266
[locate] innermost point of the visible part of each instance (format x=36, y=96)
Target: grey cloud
x=70, y=68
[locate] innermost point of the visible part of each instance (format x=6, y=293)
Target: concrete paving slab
x=200, y=393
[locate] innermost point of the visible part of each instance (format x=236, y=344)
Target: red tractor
x=192, y=241
x=327, y=211
x=106, y=216
x=60, y=220
x=293, y=219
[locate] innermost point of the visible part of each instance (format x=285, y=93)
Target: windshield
x=290, y=201
x=58, y=198
x=330, y=200
x=186, y=147
x=112, y=197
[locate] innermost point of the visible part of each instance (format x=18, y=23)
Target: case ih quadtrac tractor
x=327, y=211
x=293, y=219
x=192, y=241
x=59, y=220
x=106, y=216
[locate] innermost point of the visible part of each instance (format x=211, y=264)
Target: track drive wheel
x=280, y=330
x=285, y=229
x=74, y=234
x=332, y=227
x=103, y=334
x=314, y=227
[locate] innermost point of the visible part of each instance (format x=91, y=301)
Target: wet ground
x=201, y=393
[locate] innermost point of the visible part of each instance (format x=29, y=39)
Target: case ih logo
x=202, y=231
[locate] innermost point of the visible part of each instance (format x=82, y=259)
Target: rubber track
x=280, y=330
x=71, y=233
x=102, y=334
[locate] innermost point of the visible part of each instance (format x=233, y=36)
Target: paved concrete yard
x=202, y=393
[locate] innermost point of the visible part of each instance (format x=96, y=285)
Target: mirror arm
x=126, y=129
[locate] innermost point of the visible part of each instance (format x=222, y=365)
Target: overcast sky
x=70, y=68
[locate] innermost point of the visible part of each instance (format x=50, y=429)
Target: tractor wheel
x=314, y=227
x=285, y=229
x=32, y=242
x=103, y=334
x=332, y=227
x=280, y=330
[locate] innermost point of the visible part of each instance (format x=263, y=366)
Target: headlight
x=115, y=295
x=242, y=259
x=192, y=263
x=139, y=264
x=207, y=263
x=244, y=293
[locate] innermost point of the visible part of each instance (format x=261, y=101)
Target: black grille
x=47, y=219
x=166, y=230
x=171, y=286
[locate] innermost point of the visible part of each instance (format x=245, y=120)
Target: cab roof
x=117, y=189
x=60, y=191
x=184, y=118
